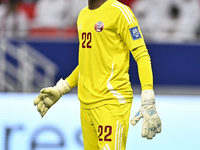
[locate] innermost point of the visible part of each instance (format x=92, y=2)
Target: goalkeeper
x=107, y=31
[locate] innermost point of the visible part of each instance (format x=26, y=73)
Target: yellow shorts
x=105, y=127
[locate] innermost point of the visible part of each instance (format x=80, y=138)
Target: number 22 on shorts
x=107, y=130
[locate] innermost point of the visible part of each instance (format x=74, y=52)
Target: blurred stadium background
x=39, y=45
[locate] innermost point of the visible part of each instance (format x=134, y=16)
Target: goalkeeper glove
x=151, y=121
x=50, y=95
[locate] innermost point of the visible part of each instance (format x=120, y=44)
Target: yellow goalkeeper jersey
x=106, y=35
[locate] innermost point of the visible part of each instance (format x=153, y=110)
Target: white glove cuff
x=62, y=86
x=148, y=97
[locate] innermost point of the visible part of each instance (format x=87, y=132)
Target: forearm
x=143, y=60
x=72, y=79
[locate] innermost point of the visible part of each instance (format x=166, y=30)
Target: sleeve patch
x=135, y=33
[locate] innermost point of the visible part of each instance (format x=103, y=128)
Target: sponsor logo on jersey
x=135, y=33
x=99, y=26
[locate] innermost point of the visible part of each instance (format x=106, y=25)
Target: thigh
x=111, y=123
x=90, y=137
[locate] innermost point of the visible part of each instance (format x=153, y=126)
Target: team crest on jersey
x=135, y=33
x=99, y=26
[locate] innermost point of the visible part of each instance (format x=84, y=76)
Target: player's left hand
x=151, y=121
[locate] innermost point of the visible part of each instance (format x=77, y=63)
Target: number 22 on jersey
x=86, y=39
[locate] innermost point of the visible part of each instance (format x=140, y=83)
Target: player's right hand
x=50, y=95
x=46, y=98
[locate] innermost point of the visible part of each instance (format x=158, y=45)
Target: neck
x=94, y=4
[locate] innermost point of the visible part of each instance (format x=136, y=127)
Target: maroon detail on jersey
x=99, y=26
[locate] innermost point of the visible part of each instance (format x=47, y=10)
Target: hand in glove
x=50, y=95
x=151, y=121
